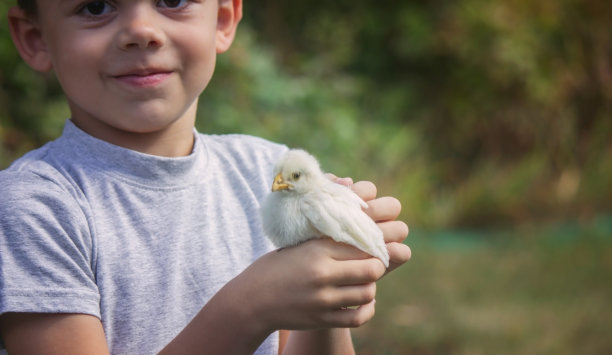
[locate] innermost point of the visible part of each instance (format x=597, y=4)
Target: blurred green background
x=490, y=120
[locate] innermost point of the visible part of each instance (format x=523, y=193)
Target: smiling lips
x=143, y=79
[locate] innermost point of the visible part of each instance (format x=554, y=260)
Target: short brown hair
x=29, y=6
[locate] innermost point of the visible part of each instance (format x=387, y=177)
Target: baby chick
x=304, y=204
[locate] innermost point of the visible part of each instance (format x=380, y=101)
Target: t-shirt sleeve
x=47, y=254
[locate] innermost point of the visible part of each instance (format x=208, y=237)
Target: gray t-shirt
x=140, y=241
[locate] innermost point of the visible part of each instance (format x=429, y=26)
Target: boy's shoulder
x=34, y=195
x=31, y=175
x=33, y=168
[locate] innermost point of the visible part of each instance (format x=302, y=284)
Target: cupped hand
x=384, y=211
x=311, y=286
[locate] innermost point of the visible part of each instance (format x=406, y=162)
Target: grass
x=537, y=290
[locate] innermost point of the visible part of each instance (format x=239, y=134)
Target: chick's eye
x=296, y=176
x=172, y=3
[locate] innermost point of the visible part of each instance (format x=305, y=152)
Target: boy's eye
x=172, y=3
x=95, y=8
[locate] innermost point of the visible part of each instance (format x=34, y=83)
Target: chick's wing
x=336, y=212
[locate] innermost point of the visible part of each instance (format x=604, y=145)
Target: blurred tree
x=473, y=112
x=489, y=86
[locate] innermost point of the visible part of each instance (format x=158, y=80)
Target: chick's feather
x=308, y=205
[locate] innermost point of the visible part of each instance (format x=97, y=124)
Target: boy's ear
x=28, y=40
x=230, y=13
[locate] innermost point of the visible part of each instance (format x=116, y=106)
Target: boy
x=132, y=233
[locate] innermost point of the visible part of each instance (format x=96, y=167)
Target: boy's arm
x=285, y=289
x=66, y=334
x=324, y=341
x=303, y=287
x=297, y=288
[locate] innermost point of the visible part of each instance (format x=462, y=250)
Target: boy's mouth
x=144, y=78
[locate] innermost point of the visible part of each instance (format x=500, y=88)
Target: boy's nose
x=140, y=30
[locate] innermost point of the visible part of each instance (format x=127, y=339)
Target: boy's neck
x=174, y=140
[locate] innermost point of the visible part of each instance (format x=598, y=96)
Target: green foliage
x=471, y=112
x=32, y=109
x=505, y=104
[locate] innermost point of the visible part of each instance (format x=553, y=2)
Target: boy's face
x=136, y=66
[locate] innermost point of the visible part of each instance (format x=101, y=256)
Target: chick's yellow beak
x=279, y=183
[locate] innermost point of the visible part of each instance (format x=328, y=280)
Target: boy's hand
x=310, y=286
x=384, y=211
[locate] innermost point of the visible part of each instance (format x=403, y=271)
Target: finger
x=350, y=318
x=398, y=254
x=331, y=176
x=357, y=272
x=346, y=181
x=351, y=296
x=394, y=231
x=342, y=251
x=349, y=265
x=364, y=189
x=383, y=209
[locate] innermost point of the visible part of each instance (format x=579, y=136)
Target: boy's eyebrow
x=65, y=2
x=68, y=3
